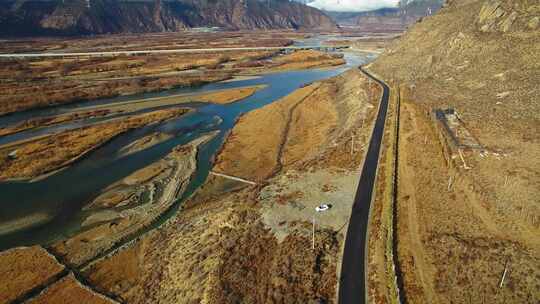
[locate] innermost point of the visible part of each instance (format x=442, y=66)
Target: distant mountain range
x=406, y=13
x=80, y=17
x=389, y=18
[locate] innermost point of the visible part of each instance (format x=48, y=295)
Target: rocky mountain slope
x=467, y=208
x=73, y=17
x=398, y=18
x=479, y=47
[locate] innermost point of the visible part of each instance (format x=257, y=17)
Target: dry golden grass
x=228, y=96
x=311, y=126
x=252, y=149
x=304, y=55
x=23, y=269
x=122, y=269
x=49, y=121
x=69, y=290
x=461, y=224
x=26, y=95
x=297, y=128
x=307, y=59
x=56, y=151
x=199, y=252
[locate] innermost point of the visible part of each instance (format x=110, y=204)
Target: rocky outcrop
x=74, y=17
x=468, y=35
x=500, y=16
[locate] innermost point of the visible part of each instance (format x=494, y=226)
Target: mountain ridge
x=82, y=17
x=401, y=16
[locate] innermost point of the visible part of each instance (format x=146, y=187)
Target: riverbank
x=223, y=96
x=103, y=217
x=137, y=201
x=32, y=159
x=86, y=139
x=51, y=121
x=256, y=240
x=45, y=82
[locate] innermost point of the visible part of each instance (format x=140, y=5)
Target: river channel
x=43, y=211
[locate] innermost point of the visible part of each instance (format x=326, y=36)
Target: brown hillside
x=464, y=215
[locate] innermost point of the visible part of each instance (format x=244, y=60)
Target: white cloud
x=352, y=5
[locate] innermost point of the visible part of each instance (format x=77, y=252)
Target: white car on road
x=323, y=207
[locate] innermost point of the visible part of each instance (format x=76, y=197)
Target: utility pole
x=369, y=90
x=352, y=145
x=320, y=208
x=313, y=238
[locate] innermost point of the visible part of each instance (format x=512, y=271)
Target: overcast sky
x=352, y=5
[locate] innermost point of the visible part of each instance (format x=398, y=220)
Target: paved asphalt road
x=145, y=52
x=352, y=287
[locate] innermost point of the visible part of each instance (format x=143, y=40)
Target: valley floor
x=41, y=82
x=236, y=242
x=232, y=241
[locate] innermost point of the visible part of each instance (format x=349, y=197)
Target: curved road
x=352, y=287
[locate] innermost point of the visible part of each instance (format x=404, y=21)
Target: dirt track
x=448, y=236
